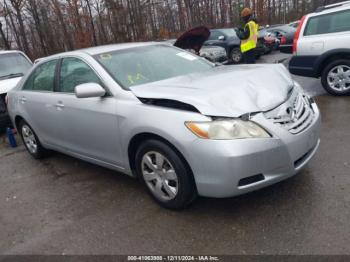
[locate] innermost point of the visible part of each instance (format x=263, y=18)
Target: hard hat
x=246, y=12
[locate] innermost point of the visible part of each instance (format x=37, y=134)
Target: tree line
x=45, y=27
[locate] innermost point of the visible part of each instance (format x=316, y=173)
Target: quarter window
x=330, y=23
x=42, y=78
x=75, y=72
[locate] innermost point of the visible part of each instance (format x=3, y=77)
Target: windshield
x=13, y=65
x=149, y=64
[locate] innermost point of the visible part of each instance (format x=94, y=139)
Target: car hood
x=193, y=38
x=225, y=91
x=7, y=84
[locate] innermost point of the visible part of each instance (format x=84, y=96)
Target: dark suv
x=228, y=39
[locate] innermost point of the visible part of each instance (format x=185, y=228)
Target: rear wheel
x=336, y=78
x=165, y=175
x=31, y=140
x=236, y=55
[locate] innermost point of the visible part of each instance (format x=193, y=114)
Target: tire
x=334, y=80
x=236, y=55
x=31, y=141
x=173, y=191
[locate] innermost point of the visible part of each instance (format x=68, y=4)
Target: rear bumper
x=303, y=66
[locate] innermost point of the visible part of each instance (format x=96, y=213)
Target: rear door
x=89, y=126
x=37, y=102
x=214, y=39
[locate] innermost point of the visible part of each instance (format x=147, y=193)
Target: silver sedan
x=183, y=125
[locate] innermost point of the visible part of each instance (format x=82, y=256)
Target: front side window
x=230, y=32
x=42, y=78
x=330, y=23
x=13, y=65
x=147, y=64
x=75, y=72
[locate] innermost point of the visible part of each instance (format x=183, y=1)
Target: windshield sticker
x=106, y=56
x=187, y=56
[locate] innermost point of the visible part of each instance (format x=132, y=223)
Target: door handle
x=23, y=100
x=59, y=106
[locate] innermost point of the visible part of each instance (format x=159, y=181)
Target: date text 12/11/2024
x=173, y=258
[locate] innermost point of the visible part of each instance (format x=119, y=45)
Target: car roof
x=100, y=50
x=331, y=9
x=9, y=51
x=115, y=47
x=103, y=49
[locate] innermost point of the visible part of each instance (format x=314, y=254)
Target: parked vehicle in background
x=270, y=41
x=193, y=41
x=285, y=35
x=215, y=54
x=183, y=125
x=322, y=47
x=294, y=24
x=13, y=65
x=228, y=39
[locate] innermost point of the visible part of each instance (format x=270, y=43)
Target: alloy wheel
x=236, y=56
x=160, y=176
x=29, y=139
x=339, y=78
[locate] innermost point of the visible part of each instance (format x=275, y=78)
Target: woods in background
x=44, y=27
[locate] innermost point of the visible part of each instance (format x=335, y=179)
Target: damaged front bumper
x=230, y=168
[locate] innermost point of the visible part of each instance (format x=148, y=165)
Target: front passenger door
x=89, y=125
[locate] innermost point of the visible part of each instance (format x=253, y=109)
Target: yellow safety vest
x=252, y=41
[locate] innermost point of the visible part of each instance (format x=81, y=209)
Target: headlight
x=227, y=129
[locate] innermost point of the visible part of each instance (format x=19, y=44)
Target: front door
x=89, y=126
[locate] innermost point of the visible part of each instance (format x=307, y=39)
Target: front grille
x=295, y=116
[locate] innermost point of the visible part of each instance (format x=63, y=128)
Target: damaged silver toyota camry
x=184, y=126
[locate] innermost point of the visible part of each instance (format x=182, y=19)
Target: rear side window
x=330, y=23
x=75, y=72
x=42, y=78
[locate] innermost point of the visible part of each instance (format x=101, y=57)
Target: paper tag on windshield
x=187, y=56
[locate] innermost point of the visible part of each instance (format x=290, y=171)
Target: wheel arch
x=18, y=119
x=328, y=57
x=136, y=141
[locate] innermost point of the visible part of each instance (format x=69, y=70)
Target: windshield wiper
x=11, y=75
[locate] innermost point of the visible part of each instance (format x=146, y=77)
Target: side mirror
x=221, y=38
x=89, y=90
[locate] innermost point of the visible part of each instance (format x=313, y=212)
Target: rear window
x=329, y=23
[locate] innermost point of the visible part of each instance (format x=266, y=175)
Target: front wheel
x=165, y=175
x=236, y=56
x=336, y=78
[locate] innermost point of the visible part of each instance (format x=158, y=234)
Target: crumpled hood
x=7, y=84
x=225, y=91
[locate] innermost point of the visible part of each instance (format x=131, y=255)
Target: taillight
x=297, y=35
x=7, y=99
x=283, y=40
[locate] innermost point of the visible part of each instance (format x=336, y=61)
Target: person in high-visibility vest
x=248, y=36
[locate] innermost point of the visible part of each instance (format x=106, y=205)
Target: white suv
x=322, y=47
